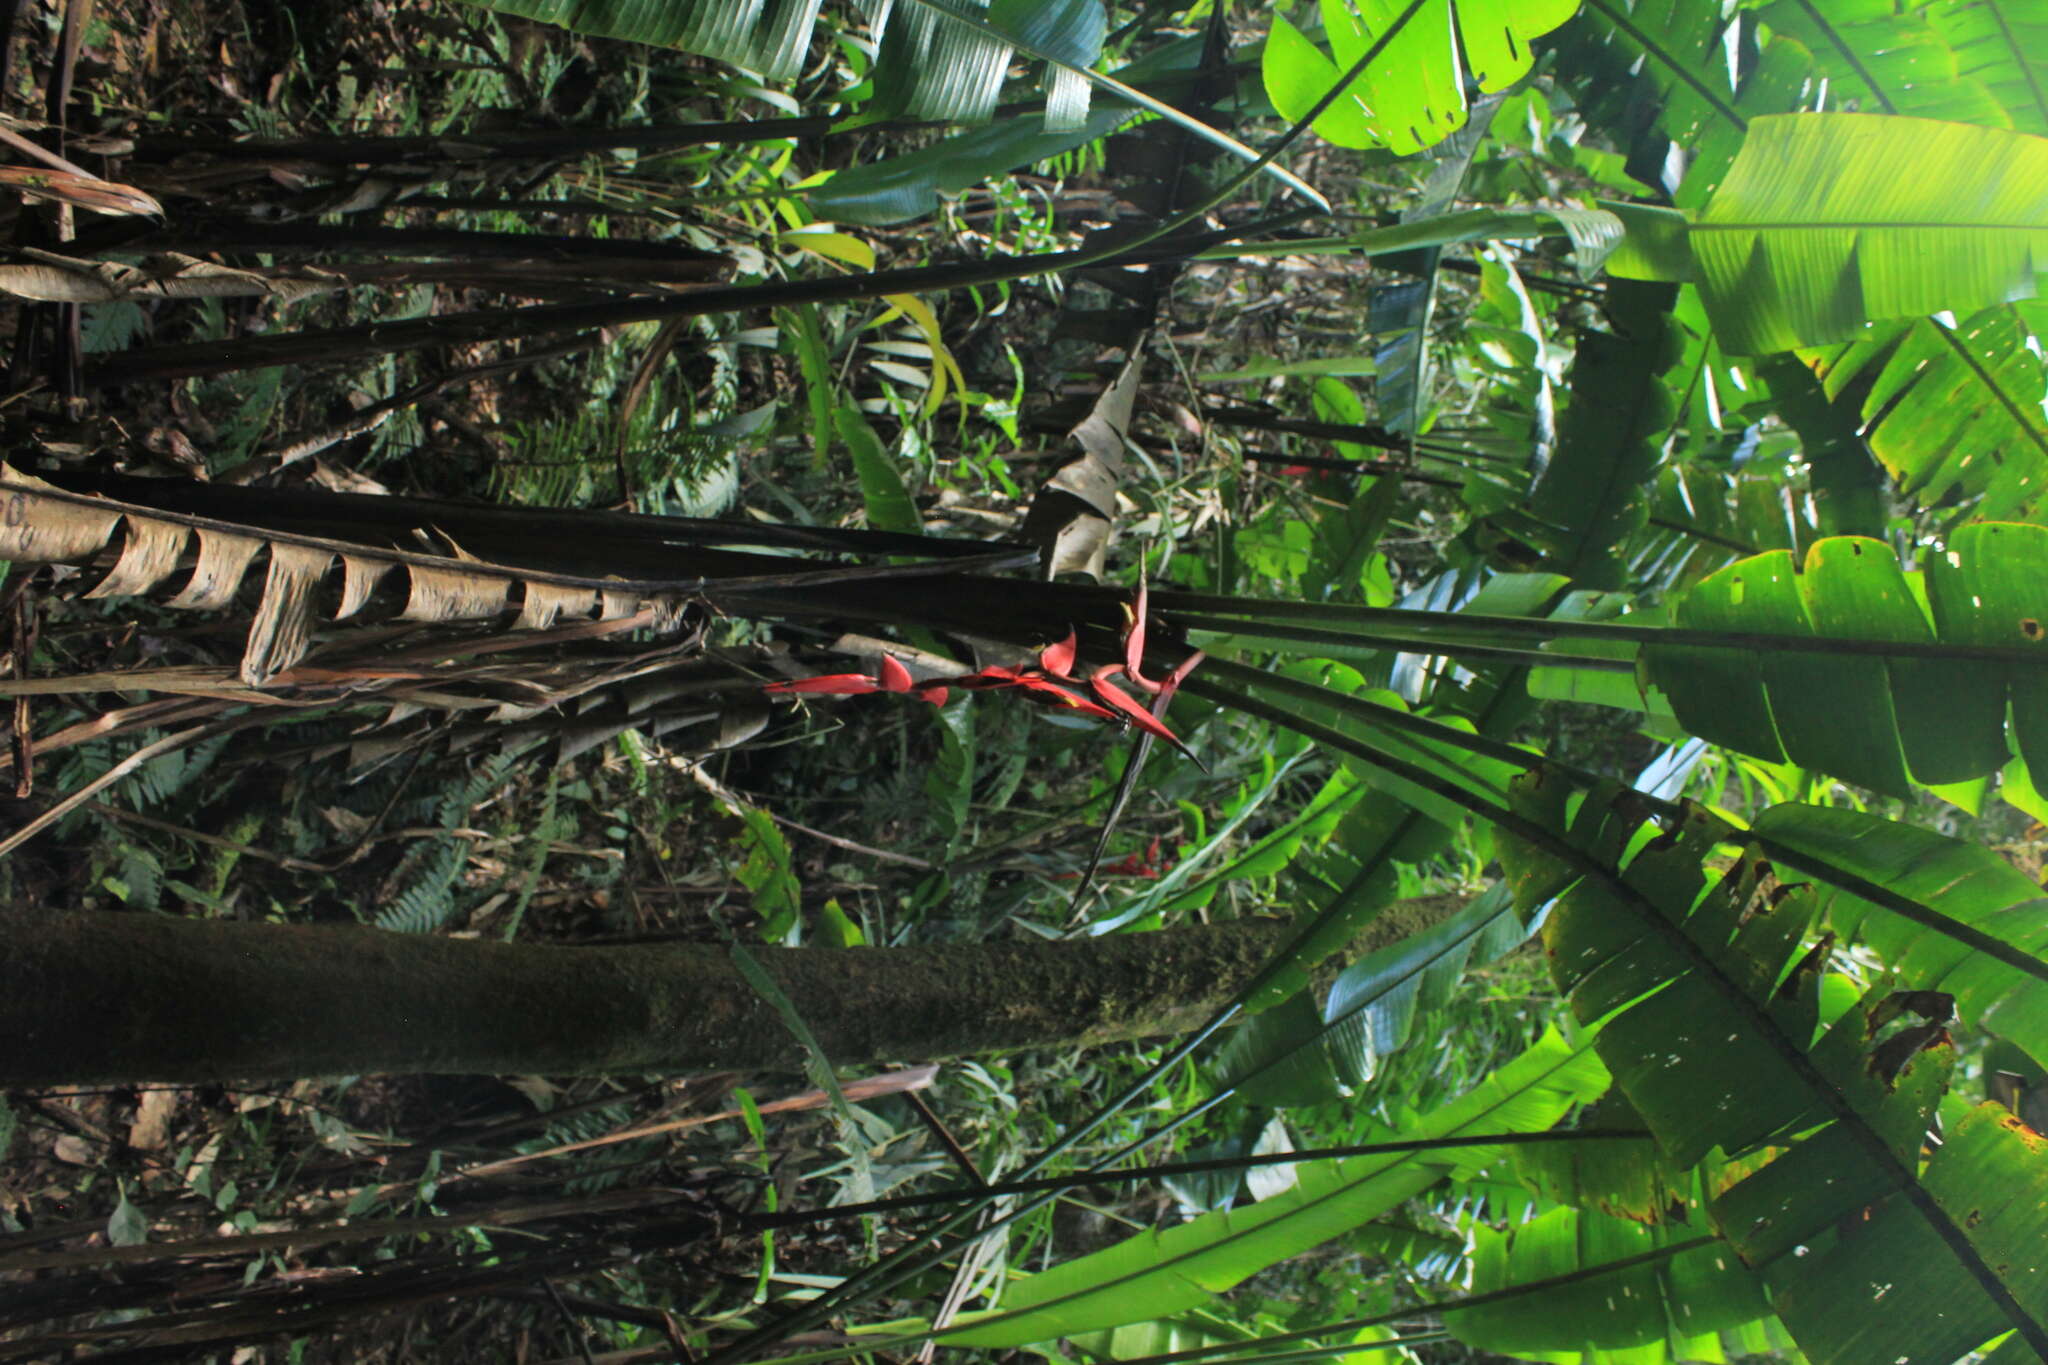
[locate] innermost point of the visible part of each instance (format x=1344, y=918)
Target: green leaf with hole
x=1813, y=696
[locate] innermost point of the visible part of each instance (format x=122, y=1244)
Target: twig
x=167, y=744
x=889, y=1083
x=734, y=799
x=577, y=1328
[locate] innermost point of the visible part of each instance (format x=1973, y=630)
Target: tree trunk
x=113, y=998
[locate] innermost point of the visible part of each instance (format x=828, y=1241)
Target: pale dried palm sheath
x=40, y=522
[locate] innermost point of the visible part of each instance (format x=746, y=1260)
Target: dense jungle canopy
x=728, y=681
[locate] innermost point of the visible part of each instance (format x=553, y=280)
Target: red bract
x=1180, y=673
x=895, y=678
x=1053, y=680
x=1042, y=686
x=1058, y=659
x=1134, y=641
x=831, y=684
x=1134, y=713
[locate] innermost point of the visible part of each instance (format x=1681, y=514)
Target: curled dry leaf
x=80, y=191
x=1071, y=518
x=51, y=278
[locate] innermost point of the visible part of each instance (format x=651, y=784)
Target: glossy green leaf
x=2004, y=45
x=1162, y=1273
x=1714, y=1033
x=882, y=490
x=1848, y=485
x=1951, y=410
x=1655, y=245
x=1413, y=95
x=1870, y=718
x=1879, y=60
x=1682, y=1298
x=1622, y=1177
x=930, y=65
x=1593, y=232
x=908, y=185
x=1593, y=495
x=1814, y=233
x=1944, y=880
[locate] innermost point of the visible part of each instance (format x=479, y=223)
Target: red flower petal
x=831, y=684
x=1179, y=675
x=935, y=695
x=1058, y=659
x=1134, y=639
x=1136, y=714
x=993, y=676
x=1045, y=687
x=895, y=676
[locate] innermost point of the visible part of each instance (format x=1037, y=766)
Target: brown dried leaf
x=223, y=559
x=152, y=1127
x=283, y=627
x=359, y=578
x=1081, y=546
x=37, y=530
x=52, y=278
x=547, y=603
x=453, y=595
x=1072, y=518
x=148, y=555
x=80, y=191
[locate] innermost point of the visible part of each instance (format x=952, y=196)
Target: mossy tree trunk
x=111, y=998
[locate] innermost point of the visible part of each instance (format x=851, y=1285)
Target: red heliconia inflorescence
x=1053, y=680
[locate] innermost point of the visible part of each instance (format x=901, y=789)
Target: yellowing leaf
x=822, y=239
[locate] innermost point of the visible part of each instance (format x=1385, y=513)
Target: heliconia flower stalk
x=1053, y=680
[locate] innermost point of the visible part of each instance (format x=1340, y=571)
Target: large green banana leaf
x=2004, y=44
x=898, y=188
x=1915, y=872
x=1413, y=96
x=1883, y=59
x=1827, y=222
x=1882, y=721
x=930, y=64
x=1951, y=410
x=1677, y=42
x=1711, y=1023
x=1159, y=1274
x=1593, y=496
x=1684, y=1300
x=1623, y=1177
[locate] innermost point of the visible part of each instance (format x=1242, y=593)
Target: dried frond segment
x=80, y=191
x=547, y=603
x=617, y=604
x=668, y=613
x=359, y=578
x=52, y=278
x=283, y=627
x=149, y=553
x=223, y=559
x=1072, y=517
x=38, y=530
x=453, y=595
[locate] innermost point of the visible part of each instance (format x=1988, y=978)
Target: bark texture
x=112, y=998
